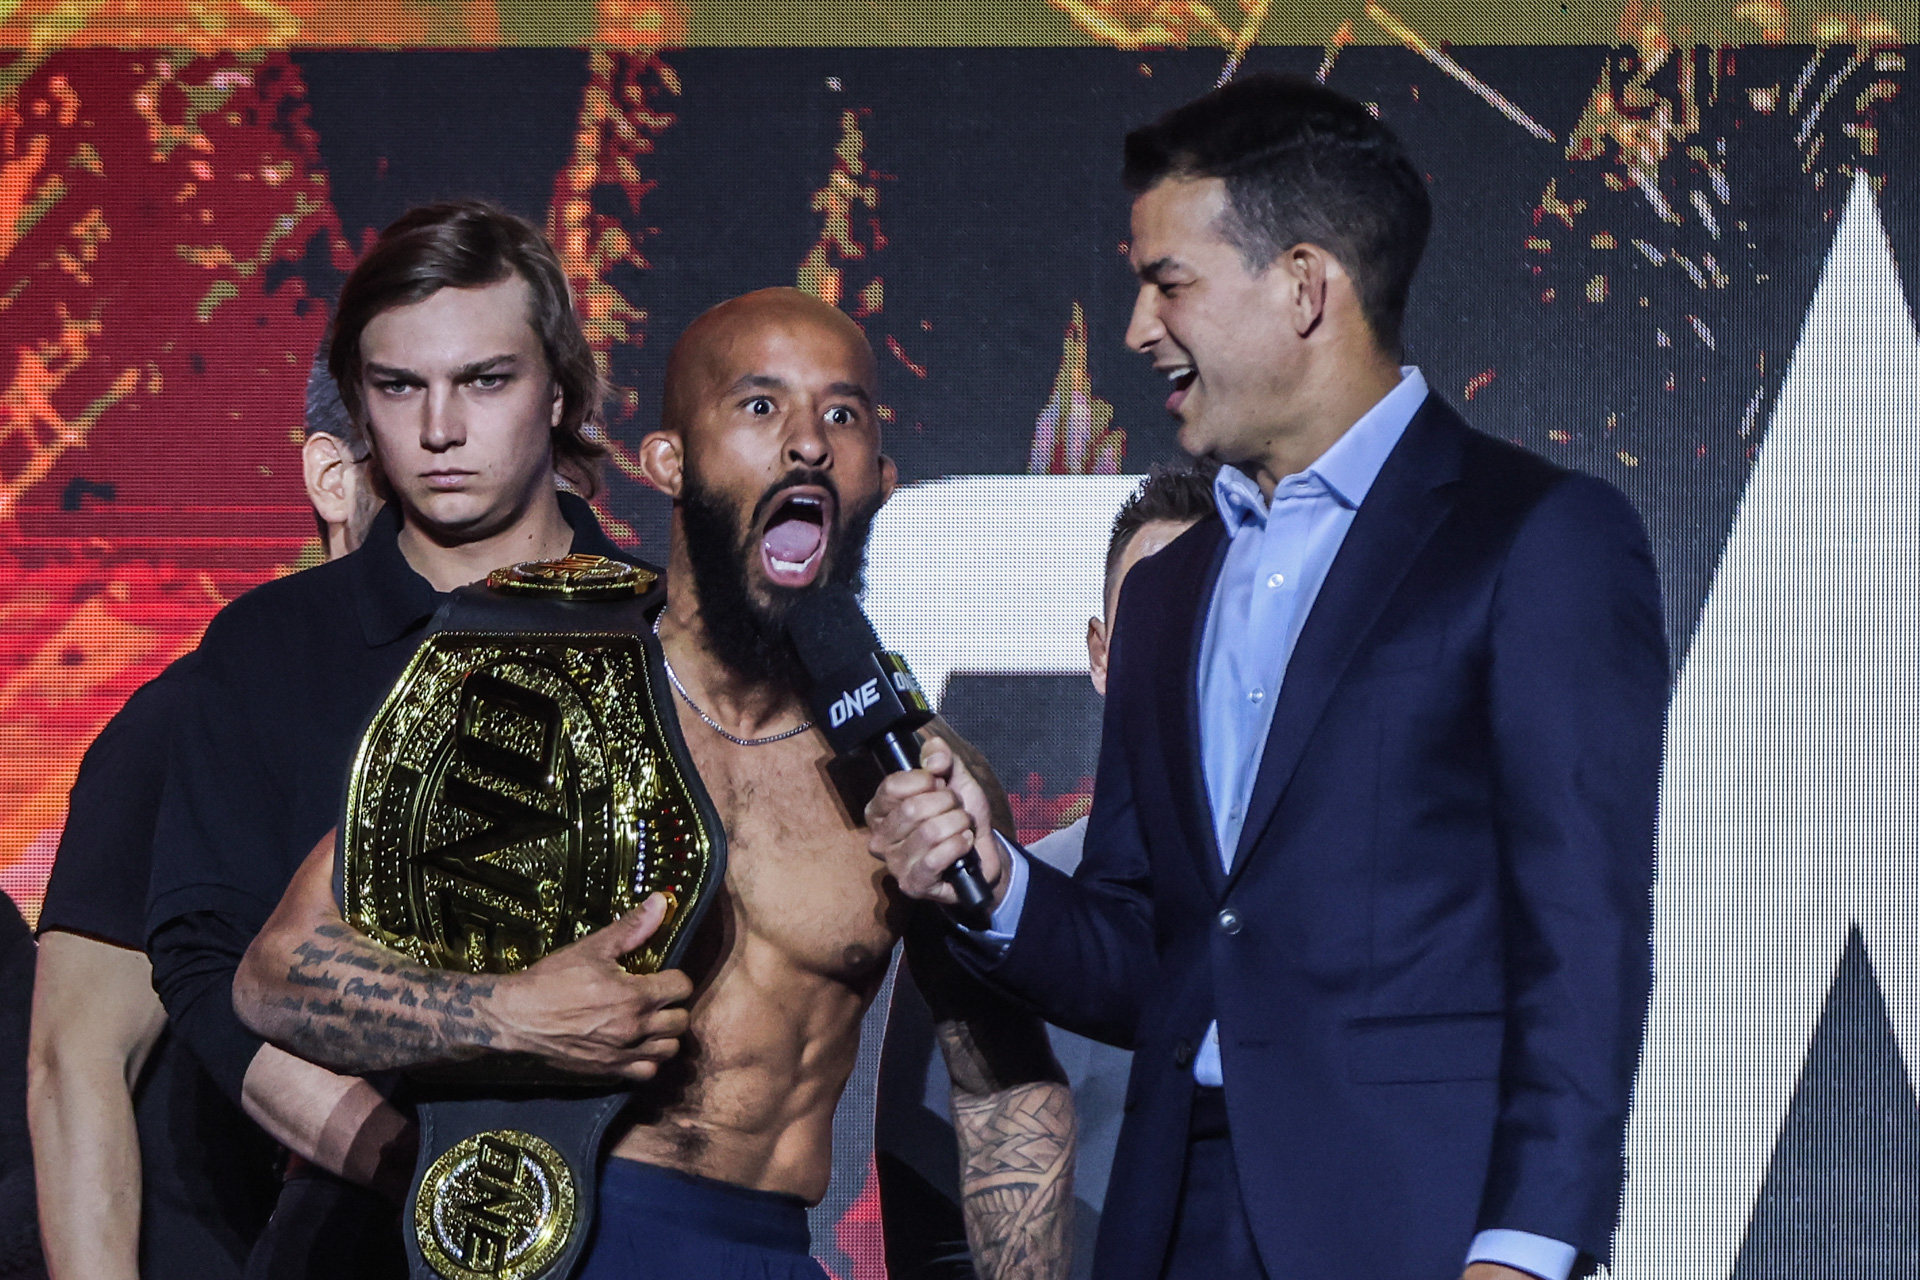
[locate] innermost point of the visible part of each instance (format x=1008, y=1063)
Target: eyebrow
x=755, y=382
x=767, y=382
x=1152, y=271
x=471, y=369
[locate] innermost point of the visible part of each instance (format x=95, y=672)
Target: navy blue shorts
x=656, y=1224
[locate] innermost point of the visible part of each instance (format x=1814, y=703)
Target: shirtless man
x=770, y=449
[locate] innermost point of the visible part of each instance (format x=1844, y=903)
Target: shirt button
x=1182, y=1054
x=1229, y=921
x=1257, y=696
x=1276, y=579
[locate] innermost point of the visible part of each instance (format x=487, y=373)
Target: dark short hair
x=326, y=413
x=1182, y=492
x=1302, y=165
x=464, y=245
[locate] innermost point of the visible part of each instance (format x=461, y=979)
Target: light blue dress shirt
x=1278, y=555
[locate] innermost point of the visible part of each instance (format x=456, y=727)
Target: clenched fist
x=922, y=822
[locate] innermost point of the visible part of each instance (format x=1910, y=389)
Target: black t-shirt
x=99, y=883
x=208, y=1177
x=288, y=676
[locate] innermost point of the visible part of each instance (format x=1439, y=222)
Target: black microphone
x=865, y=699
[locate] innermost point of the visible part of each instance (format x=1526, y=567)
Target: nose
x=443, y=422
x=807, y=444
x=1144, y=327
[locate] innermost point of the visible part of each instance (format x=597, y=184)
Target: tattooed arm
x=1016, y=1164
x=324, y=991
x=1012, y=1108
x=1012, y=1117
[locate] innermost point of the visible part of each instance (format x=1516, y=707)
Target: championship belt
x=524, y=784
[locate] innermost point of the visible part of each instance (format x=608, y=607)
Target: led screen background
x=1678, y=249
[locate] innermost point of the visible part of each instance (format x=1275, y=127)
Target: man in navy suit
x=1367, y=883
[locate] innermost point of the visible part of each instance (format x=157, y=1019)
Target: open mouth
x=795, y=539
x=1182, y=377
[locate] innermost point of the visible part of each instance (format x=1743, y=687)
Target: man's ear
x=663, y=462
x=889, y=478
x=1097, y=655
x=323, y=465
x=1301, y=274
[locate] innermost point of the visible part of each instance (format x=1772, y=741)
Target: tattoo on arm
x=348, y=1003
x=1016, y=1163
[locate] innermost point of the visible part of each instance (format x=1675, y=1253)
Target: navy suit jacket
x=1430, y=960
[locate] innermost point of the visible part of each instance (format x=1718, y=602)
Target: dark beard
x=749, y=638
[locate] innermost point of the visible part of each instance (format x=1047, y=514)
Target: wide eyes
x=838, y=415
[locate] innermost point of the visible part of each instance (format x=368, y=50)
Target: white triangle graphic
x=1791, y=804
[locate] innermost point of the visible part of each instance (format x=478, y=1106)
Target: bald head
x=720, y=348
x=769, y=446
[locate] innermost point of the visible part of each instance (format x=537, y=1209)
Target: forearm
x=1016, y=1179
x=86, y=1168
x=340, y=1123
x=1013, y=1121
x=339, y=999
x=329, y=994
x=95, y=1020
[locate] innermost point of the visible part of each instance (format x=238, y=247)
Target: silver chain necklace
x=706, y=719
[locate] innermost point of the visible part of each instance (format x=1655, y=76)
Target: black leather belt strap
x=507, y=1182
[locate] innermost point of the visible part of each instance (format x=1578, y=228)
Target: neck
x=1334, y=397
x=539, y=533
x=744, y=707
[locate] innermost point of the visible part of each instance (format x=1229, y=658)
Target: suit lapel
x=1403, y=507
x=1192, y=566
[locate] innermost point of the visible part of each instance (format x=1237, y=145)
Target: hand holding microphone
x=866, y=700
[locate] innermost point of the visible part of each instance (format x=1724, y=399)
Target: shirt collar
x=1347, y=470
x=393, y=599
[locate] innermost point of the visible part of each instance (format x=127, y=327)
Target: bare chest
x=801, y=888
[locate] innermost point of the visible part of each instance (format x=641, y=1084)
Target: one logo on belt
x=495, y=1206
x=511, y=756
x=853, y=702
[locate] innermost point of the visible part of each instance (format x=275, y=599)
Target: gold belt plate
x=516, y=792
x=496, y=1206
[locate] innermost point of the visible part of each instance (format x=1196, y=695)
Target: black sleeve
x=19, y=1229
x=195, y=957
x=1009, y=1036
x=221, y=818
x=99, y=881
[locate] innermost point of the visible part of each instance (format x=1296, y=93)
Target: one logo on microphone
x=853, y=702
